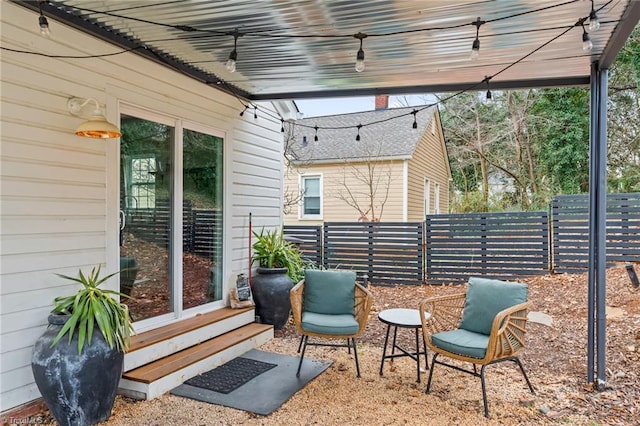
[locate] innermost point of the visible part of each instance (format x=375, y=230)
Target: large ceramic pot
x=270, y=287
x=79, y=389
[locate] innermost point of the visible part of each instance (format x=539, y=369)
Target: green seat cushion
x=462, y=342
x=485, y=299
x=343, y=324
x=329, y=292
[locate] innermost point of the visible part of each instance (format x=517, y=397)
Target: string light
x=281, y=125
x=42, y=22
x=594, y=23
x=255, y=112
x=415, y=121
x=233, y=56
x=360, y=54
x=488, y=96
x=587, y=44
x=358, y=135
x=315, y=138
x=475, y=47
x=246, y=107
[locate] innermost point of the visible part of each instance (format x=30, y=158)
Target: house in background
x=186, y=160
x=394, y=172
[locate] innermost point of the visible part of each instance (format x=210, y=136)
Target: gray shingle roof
x=389, y=137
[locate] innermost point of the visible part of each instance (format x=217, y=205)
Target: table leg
x=384, y=350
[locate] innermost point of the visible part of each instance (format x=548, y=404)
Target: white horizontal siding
x=59, y=198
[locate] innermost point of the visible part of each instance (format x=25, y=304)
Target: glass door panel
x=202, y=219
x=145, y=222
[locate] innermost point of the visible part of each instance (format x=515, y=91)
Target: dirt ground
x=555, y=359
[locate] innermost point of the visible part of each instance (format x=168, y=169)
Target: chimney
x=382, y=102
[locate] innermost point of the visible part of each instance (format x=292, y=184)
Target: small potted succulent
x=279, y=266
x=77, y=363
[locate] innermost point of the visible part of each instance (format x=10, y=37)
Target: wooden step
x=151, y=337
x=158, y=377
x=157, y=344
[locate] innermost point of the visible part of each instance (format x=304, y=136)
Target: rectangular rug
x=265, y=392
x=230, y=376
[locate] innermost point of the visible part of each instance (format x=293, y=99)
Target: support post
x=596, y=327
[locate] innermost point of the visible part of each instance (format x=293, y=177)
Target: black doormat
x=230, y=376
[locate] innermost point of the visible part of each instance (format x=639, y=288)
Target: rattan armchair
x=330, y=324
x=447, y=334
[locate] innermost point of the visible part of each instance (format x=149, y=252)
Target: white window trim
x=427, y=196
x=436, y=198
x=301, y=215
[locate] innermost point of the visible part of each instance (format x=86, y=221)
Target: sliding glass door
x=171, y=216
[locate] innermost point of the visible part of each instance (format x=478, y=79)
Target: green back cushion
x=485, y=299
x=329, y=292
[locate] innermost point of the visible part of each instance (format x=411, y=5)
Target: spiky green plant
x=90, y=306
x=271, y=250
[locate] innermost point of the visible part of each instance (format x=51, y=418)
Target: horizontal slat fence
x=571, y=230
x=388, y=252
x=499, y=245
x=207, y=233
x=308, y=239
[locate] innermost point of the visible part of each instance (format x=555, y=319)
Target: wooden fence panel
x=499, y=245
x=207, y=233
x=308, y=239
x=571, y=230
x=388, y=252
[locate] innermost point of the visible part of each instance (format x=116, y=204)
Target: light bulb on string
x=315, y=137
x=255, y=112
x=488, y=96
x=246, y=107
x=587, y=44
x=360, y=55
x=475, y=47
x=358, y=135
x=415, y=122
x=282, y=125
x=43, y=23
x=233, y=56
x=594, y=22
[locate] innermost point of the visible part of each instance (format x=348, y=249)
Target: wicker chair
x=483, y=326
x=330, y=305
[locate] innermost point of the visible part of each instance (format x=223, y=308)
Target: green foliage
x=271, y=250
x=91, y=306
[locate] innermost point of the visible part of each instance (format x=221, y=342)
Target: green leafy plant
x=271, y=250
x=90, y=306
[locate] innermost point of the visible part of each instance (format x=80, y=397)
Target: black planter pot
x=79, y=389
x=270, y=287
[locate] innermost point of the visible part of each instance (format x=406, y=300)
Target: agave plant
x=90, y=306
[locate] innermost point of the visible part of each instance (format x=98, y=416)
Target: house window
x=142, y=178
x=311, y=196
x=436, y=198
x=427, y=196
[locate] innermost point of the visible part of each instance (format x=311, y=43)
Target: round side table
x=403, y=318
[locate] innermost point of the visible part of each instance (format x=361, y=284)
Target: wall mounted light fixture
x=97, y=126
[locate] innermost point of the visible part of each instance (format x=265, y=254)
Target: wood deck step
x=158, y=335
x=168, y=365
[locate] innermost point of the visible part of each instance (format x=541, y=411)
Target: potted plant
x=279, y=266
x=77, y=363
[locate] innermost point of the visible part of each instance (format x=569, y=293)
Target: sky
x=329, y=106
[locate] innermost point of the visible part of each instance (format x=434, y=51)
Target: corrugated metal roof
x=305, y=48
x=384, y=136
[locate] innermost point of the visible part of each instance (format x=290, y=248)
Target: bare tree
x=365, y=186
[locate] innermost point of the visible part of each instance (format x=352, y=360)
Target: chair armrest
x=446, y=313
x=507, y=331
x=362, y=307
x=295, y=294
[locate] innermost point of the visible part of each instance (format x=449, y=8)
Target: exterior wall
x=429, y=161
x=335, y=209
x=59, y=192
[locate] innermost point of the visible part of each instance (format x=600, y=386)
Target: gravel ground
x=555, y=358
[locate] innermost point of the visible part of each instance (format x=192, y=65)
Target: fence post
x=370, y=249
